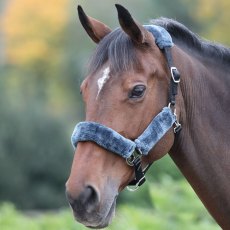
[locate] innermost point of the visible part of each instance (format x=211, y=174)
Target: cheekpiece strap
x=155, y=130
x=175, y=76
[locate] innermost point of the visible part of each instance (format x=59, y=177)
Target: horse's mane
x=188, y=40
x=118, y=48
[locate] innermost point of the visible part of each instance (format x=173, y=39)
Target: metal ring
x=136, y=186
x=136, y=154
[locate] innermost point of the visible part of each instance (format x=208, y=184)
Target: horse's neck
x=202, y=149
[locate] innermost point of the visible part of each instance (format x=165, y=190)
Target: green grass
x=174, y=207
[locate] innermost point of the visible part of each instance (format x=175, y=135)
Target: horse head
x=126, y=87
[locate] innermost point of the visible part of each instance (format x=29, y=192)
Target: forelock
x=118, y=49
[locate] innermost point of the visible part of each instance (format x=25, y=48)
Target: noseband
x=133, y=151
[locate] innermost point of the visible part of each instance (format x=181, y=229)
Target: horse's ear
x=95, y=29
x=136, y=32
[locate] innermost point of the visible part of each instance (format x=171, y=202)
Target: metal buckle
x=177, y=79
x=135, y=161
x=136, y=154
x=178, y=126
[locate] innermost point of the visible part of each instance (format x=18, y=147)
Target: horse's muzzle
x=86, y=208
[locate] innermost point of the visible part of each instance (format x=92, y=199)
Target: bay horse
x=130, y=79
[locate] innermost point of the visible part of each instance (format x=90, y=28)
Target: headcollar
x=132, y=151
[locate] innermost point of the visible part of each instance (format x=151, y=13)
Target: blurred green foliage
x=44, y=53
x=34, y=148
x=174, y=206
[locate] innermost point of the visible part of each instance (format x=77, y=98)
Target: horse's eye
x=137, y=92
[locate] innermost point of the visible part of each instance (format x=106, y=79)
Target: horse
x=130, y=79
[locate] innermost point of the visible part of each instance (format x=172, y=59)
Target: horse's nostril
x=89, y=196
x=86, y=201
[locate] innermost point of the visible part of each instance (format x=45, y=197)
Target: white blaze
x=101, y=81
